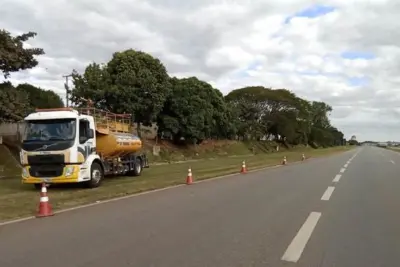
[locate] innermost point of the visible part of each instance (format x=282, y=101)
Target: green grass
x=17, y=200
x=9, y=167
x=396, y=148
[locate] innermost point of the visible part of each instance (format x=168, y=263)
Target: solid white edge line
x=328, y=193
x=299, y=242
x=337, y=178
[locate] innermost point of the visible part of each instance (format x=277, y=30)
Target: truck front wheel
x=96, y=175
x=37, y=186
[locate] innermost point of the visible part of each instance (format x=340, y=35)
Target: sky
x=344, y=53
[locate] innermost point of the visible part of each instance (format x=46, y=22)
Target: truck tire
x=96, y=175
x=137, y=168
x=37, y=186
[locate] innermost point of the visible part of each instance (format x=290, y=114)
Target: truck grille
x=46, y=159
x=46, y=170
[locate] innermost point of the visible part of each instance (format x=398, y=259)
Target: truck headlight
x=25, y=173
x=69, y=170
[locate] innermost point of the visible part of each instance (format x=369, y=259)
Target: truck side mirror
x=90, y=134
x=82, y=139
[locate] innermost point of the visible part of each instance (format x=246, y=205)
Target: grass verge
x=395, y=149
x=17, y=200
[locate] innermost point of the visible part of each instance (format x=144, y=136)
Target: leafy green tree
x=40, y=98
x=264, y=112
x=282, y=115
x=132, y=82
x=194, y=111
x=93, y=84
x=322, y=133
x=14, y=103
x=320, y=113
x=250, y=105
x=13, y=56
x=225, y=120
x=140, y=85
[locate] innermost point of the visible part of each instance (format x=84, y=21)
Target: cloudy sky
x=342, y=52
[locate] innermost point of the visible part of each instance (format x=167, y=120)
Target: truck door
x=86, y=139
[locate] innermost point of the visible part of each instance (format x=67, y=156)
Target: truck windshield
x=50, y=130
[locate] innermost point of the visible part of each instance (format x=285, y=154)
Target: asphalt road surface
x=342, y=210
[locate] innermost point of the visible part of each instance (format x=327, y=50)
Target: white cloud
x=232, y=44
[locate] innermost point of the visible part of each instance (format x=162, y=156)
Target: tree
x=94, y=84
x=250, y=104
x=320, y=112
x=194, y=111
x=264, y=112
x=40, y=98
x=141, y=81
x=18, y=102
x=132, y=82
x=13, y=56
x=14, y=104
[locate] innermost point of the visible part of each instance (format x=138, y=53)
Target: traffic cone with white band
x=189, y=178
x=44, y=205
x=243, y=170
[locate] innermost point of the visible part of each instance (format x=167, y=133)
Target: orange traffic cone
x=243, y=170
x=284, y=161
x=189, y=178
x=303, y=157
x=44, y=205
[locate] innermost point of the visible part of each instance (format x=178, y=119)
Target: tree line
x=188, y=110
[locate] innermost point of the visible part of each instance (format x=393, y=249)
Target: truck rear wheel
x=137, y=168
x=96, y=175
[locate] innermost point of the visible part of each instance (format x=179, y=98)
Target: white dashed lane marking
x=295, y=249
x=328, y=193
x=337, y=178
x=299, y=242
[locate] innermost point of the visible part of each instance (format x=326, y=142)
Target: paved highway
x=341, y=210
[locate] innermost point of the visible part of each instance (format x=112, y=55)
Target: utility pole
x=67, y=88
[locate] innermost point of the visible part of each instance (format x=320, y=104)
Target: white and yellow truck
x=84, y=145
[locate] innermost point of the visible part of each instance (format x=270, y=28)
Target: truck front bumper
x=70, y=175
